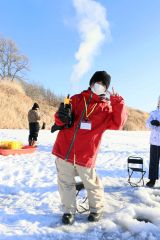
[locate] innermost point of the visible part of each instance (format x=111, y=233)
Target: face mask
x=98, y=89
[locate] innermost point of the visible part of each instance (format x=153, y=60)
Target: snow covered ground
x=30, y=205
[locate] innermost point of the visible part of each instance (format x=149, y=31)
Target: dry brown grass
x=14, y=107
x=11, y=87
x=37, y=92
x=136, y=120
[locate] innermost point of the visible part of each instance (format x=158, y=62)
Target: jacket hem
x=72, y=161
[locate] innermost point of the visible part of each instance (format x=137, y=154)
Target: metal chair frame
x=138, y=161
x=79, y=187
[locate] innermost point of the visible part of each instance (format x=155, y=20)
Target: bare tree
x=12, y=63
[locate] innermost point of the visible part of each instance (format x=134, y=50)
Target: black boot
x=68, y=218
x=30, y=142
x=151, y=183
x=94, y=217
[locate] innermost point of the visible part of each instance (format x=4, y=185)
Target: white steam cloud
x=93, y=28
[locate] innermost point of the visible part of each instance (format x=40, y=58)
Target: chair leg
x=130, y=175
x=136, y=184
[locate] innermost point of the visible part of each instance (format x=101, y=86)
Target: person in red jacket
x=78, y=141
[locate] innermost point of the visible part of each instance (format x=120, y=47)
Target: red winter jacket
x=106, y=115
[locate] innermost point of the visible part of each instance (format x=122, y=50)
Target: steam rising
x=93, y=28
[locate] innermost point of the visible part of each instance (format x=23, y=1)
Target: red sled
x=24, y=150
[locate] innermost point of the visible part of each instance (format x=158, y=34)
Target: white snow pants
x=67, y=186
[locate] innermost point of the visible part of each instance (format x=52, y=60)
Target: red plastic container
x=24, y=150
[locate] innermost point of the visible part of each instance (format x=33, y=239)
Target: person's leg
x=30, y=137
x=34, y=139
x=35, y=136
x=154, y=163
x=94, y=188
x=158, y=161
x=158, y=157
x=35, y=133
x=67, y=185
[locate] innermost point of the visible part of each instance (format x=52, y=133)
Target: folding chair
x=135, y=164
x=79, y=187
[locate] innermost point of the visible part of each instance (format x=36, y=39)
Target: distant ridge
x=136, y=120
x=16, y=98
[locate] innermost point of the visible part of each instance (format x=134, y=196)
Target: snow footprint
x=150, y=197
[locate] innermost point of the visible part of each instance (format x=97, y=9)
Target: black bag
x=43, y=125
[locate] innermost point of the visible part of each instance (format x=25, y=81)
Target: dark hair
x=35, y=106
x=101, y=76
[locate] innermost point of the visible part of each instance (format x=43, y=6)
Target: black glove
x=55, y=128
x=79, y=186
x=155, y=123
x=43, y=125
x=64, y=113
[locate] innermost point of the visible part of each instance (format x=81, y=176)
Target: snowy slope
x=30, y=205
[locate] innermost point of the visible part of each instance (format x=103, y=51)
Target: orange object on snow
x=23, y=150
